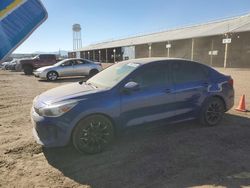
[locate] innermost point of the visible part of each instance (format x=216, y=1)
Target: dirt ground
x=181, y=155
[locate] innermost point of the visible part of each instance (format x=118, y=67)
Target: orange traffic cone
x=242, y=105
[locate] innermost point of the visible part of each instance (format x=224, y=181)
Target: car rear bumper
x=229, y=102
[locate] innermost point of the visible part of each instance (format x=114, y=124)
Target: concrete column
x=225, y=57
x=88, y=55
x=114, y=50
x=211, y=56
x=94, y=55
x=149, y=50
x=226, y=51
x=168, y=46
x=192, y=50
x=100, y=55
x=106, y=55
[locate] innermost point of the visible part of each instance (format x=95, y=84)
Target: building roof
x=236, y=24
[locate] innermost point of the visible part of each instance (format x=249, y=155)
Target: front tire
x=93, y=134
x=212, y=112
x=28, y=70
x=52, y=76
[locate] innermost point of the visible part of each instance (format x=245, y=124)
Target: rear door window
x=187, y=71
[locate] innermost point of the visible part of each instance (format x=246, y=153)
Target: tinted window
x=186, y=71
x=67, y=63
x=77, y=62
x=47, y=56
x=152, y=75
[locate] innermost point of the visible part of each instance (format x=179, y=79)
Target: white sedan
x=69, y=67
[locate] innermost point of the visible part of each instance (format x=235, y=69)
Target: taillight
x=231, y=82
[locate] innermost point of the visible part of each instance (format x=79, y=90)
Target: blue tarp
x=18, y=23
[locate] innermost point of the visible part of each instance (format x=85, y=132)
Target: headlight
x=57, y=109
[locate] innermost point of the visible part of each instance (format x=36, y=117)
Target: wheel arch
x=93, y=69
x=218, y=97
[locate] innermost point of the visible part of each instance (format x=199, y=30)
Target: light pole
x=114, y=54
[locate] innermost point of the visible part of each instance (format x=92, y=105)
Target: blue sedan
x=126, y=94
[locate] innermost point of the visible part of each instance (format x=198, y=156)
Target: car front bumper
x=50, y=132
x=41, y=75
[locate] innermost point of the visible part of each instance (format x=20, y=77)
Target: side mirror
x=131, y=86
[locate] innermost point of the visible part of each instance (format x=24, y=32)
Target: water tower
x=77, y=38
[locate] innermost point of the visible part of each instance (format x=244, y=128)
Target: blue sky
x=103, y=20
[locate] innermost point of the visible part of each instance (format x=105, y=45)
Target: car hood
x=44, y=68
x=65, y=92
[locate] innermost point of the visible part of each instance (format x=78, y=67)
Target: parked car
x=69, y=67
x=3, y=65
x=126, y=94
x=30, y=64
x=18, y=66
x=12, y=65
x=8, y=65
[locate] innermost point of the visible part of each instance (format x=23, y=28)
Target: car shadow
x=178, y=155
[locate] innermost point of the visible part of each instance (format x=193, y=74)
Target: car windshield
x=37, y=56
x=60, y=62
x=111, y=76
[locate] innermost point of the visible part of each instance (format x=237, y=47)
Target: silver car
x=69, y=67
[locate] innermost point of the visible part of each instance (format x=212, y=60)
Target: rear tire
x=93, y=72
x=28, y=70
x=93, y=134
x=52, y=76
x=212, y=112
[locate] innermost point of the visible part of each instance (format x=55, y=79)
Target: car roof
x=77, y=59
x=153, y=59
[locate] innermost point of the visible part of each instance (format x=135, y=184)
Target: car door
x=190, y=87
x=66, y=68
x=154, y=98
x=80, y=67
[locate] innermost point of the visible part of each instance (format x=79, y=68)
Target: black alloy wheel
x=93, y=134
x=212, y=112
